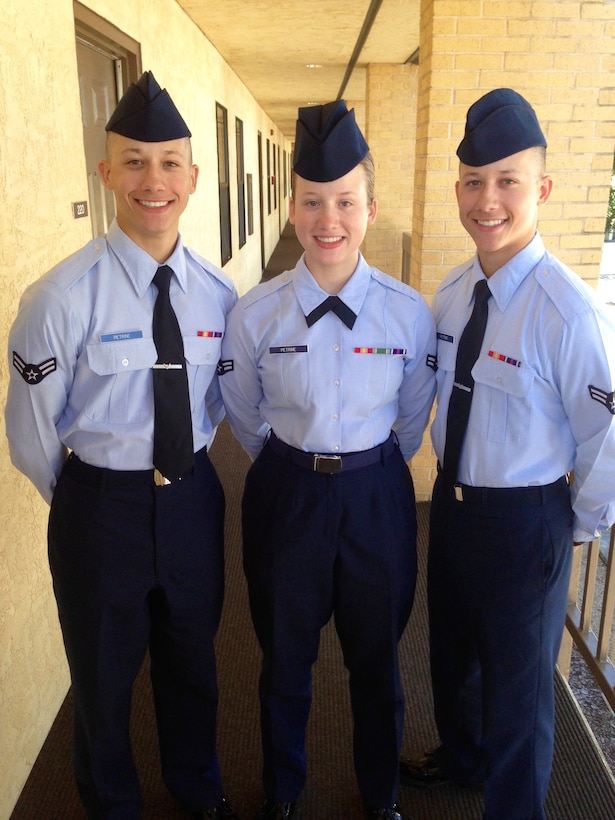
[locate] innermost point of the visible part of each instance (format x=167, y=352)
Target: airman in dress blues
x=136, y=555
x=329, y=383
x=504, y=516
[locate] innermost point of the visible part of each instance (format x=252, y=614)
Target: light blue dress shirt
x=543, y=396
x=326, y=388
x=87, y=327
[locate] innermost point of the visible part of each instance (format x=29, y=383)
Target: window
x=285, y=173
x=223, y=184
x=250, y=204
x=241, y=185
x=268, y=177
x=274, y=181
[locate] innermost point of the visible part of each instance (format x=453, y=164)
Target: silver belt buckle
x=327, y=464
x=159, y=479
x=458, y=492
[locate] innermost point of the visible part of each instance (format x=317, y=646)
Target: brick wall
x=391, y=133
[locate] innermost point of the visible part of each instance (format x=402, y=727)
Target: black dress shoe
x=223, y=811
x=429, y=771
x=270, y=810
x=423, y=771
x=386, y=814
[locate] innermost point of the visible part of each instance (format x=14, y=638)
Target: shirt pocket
x=379, y=376
x=447, y=354
x=202, y=355
x=502, y=403
x=122, y=394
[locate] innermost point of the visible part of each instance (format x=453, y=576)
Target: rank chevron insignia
x=224, y=366
x=601, y=396
x=33, y=373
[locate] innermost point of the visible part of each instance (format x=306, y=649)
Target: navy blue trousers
x=320, y=545
x=137, y=566
x=497, y=585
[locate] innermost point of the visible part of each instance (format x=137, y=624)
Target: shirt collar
x=505, y=281
x=140, y=267
x=310, y=294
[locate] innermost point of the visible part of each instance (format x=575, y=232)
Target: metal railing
x=589, y=617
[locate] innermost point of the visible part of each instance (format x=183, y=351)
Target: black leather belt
x=508, y=496
x=329, y=463
x=120, y=479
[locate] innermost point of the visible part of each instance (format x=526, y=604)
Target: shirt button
x=336, y=382
x=336, y=448
x=335, y=417
x=499, y=380
x=336, y=348
x=125, y=362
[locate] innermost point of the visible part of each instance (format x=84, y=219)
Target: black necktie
x=338, y=307
x=173, y=445
x=463, y=386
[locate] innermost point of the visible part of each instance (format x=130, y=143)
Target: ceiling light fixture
x=313, y=65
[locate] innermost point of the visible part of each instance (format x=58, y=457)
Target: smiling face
x=152, y=182
x=330, y=220
x=498, y=204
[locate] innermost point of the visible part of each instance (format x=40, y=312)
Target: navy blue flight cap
x=328, y=142
x=499, y=124
x=147, y=113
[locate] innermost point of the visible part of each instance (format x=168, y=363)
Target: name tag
x=445, y=337
x=122, y=337
x=289, y=349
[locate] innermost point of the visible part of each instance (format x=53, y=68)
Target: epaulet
x=568, y=292
x=392, y=283
x=264, y=289
x=211, y=269
x=78, y=264
x=455, y=274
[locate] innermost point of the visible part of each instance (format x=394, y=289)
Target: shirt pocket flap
x=516, y=381
x=202, y=350
x=108, y=358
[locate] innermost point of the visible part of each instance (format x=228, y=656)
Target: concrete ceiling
x=270, y=45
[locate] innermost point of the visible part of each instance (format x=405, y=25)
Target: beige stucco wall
x=42, y=173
